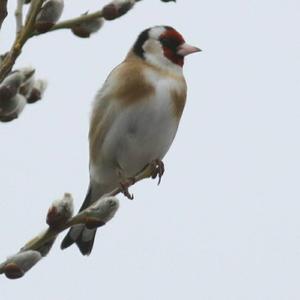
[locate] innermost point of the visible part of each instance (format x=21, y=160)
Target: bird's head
x=163, y=46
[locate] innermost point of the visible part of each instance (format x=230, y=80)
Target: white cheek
x=153, y=47
x=154, y=55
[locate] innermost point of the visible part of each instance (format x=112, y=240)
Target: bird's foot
x=125, y=185
x=158, y=169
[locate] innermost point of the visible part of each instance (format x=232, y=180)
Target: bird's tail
x=80, y=234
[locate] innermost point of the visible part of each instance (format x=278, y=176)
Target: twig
x=19, y=15
x=67, y=24
x=50, y=234
x=3, y=11
x=21, y=39
x=26, y=32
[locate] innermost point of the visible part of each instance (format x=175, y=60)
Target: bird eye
x=169, y=43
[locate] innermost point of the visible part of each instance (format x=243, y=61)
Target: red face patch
x=170, y=41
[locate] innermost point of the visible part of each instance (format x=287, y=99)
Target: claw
x=159, y=169
x=124, y=187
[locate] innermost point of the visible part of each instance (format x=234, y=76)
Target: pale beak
x=186, y=49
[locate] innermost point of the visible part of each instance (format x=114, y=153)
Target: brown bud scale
x=110, y=12
x=43, y=27
x=13, y=271
x=34, y=96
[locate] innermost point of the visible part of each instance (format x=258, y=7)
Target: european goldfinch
x=135, y=117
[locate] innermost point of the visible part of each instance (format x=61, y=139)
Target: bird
x=134, y=118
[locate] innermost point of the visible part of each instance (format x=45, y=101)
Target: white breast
x=142, y=132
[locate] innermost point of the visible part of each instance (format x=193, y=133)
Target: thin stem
x=19, y=15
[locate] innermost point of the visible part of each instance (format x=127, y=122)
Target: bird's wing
x=103, y=115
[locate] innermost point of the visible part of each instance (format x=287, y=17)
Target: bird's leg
x=125, y=184
x=158, y=169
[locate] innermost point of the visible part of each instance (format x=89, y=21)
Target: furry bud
x=100, y=212
x=37, y=91
x=50, y=13
x=27, y=73
x=17, y=265
x=27, y=85
x=10, y=86
x=60, y=211
x=117, y=8
x=85, y=29
x=12, y=108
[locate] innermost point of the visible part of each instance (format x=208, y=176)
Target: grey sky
x=224, y=223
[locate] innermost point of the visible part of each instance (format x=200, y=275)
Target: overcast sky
x=224, y=223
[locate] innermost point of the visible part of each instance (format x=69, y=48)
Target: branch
x=109, y=12
x=59, y=219
x=3, y=11
x=81, y=217
x=21, y=39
